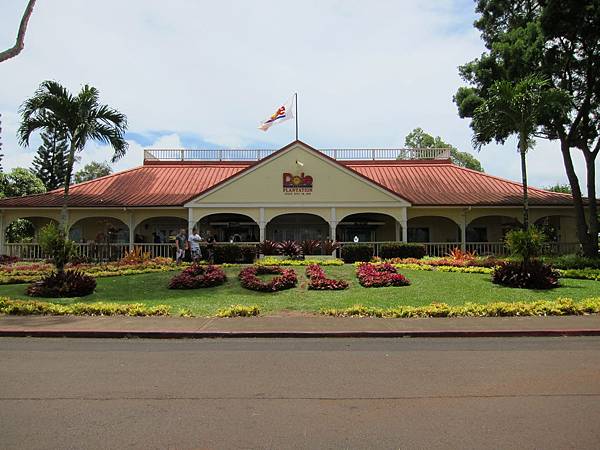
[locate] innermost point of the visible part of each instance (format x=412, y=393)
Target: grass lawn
x=426, y=287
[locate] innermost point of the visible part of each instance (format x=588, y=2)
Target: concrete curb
x=186, y=334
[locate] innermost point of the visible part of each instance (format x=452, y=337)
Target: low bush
x=572, y=262
x=328, y=246
x=582, y=274
x=284, y=278
x=268, y=248
x=352, y=253
x=380, y=275
x=311, y=247
x=227, y=253
x=70, y=283
x=249, y=253
x=402, y=250
x=135, y=257
x=317, y=280
x=290, y=249
x=298, y=262
x=7, y=259
x=32, y=307
x=558, y=307
x=238, y=311
x=197, y=276
x=535, y=275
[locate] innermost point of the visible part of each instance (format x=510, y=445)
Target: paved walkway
x=295, y=326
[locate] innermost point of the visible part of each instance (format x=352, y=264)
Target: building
x=297, y=192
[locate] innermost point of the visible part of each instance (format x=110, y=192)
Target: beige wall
x=332, y=183
x=441, y=229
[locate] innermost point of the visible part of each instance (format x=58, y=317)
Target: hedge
x=32, y=307
x=352, y=253
x=558, y=307
x=402, y=250
x=234, y=253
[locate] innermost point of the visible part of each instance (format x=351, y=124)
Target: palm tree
x=80, y=118
x=514, y=109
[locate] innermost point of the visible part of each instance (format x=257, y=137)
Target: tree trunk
x=65, y=205
x=582, y=227
x=523, y=152
x=590, y=160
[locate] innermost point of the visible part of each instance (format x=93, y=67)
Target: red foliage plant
x=319, y=281
x=198, y=276
x=380, y=275
x=284, y=279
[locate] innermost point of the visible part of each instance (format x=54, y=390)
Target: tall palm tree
x=80, y=118
x=514, y=109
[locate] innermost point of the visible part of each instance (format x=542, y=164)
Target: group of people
x=183, y=242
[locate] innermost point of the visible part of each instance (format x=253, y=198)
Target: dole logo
x=297, y=181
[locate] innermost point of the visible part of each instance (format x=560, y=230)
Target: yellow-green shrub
x=558, y=307
x=238, y=311
x=30, y=307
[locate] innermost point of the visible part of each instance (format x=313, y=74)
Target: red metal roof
x=429, y=183
x=421, y=182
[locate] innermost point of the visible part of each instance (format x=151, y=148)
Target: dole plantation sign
x=297, y=184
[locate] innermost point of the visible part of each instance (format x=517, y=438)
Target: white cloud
x=366, y=72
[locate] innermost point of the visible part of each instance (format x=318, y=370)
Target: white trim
x=299, y=205
x=291, y=147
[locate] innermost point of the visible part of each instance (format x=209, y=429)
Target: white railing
x=347, y=154
x=113, y=252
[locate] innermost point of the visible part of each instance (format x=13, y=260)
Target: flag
x=283, y=113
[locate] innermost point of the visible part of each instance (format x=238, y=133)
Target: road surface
x=300, y=393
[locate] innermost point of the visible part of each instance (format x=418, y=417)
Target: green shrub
x=352, y=253
x=572, y=262
x=525, y=244
x=402, y=250
x=249, y=253
x=54, y=242
x=238, y=311
x=227, y=253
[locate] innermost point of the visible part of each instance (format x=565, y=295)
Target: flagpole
x=296, y=104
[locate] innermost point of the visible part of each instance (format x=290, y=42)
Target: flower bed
x=319, y=281
x=558, y=307
x=197, y=276
x=380, y=275
x=285, y=279
x=29, y=272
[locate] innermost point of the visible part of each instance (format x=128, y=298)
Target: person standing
x=210, y=247
x=194, y=242
x=180, y=246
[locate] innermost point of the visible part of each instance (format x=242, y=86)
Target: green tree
x=418, y=138
x=19, y=182
x=560, y=40
x=50, y=162
x=513, y=109
x=80, y=117
x=559, y=187
x=93, y=170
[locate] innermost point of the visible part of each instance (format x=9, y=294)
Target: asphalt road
x=504, y=393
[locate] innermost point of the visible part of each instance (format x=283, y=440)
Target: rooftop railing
x=345, y=154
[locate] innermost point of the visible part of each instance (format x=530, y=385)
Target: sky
x=203, y=74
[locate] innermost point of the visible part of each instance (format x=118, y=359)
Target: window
x=419, y=234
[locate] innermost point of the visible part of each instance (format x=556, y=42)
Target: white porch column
x=131, y=231
x=261, y=224
x=398, y=231
x=463, y=229
x=463, y=237
x=403, y=222
x=333, y=224
x=190, y=220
